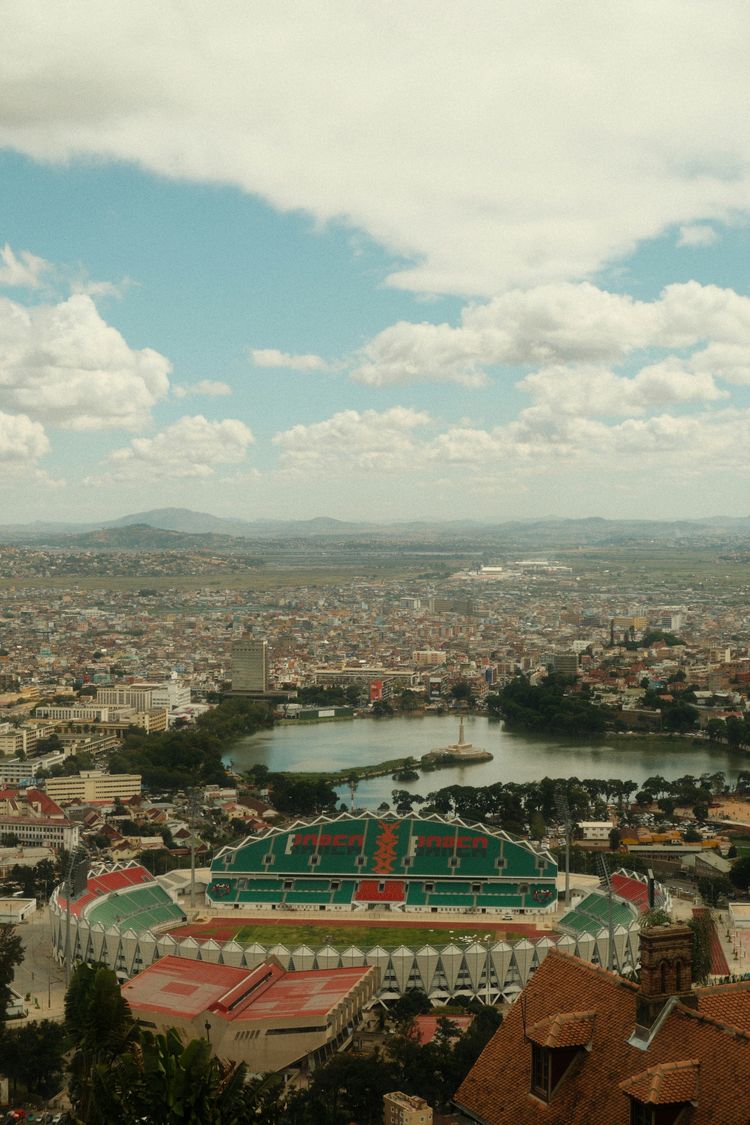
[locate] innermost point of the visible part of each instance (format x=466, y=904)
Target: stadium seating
x=593, y=914
x=391, y=860
x=388, y=890
x=136, y=909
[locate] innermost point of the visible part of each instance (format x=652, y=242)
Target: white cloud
x=697, y=234
x=512, y=148
x=22, y=442
x=64, y=365
x=594, y=391
x=272, y=357
x=93, y=288
x=552, y=324
x=191, y=448
x=541, y=441
x=210, y=387
x=371, y=440
x=23, y=270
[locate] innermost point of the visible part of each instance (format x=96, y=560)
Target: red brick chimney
x=666, y=969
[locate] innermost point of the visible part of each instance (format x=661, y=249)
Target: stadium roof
x=180, y=987
x=347, y=817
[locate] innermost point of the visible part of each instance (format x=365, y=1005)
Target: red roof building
x=266, y=1017
x=582, y=1045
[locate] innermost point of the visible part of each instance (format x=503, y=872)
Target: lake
x=517, y=757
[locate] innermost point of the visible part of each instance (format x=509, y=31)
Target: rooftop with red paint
x=179, y=987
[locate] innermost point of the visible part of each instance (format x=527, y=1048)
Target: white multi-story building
x=39, y=831
x=17, y=740
x=19, y=770
x=137, y=696
x=93, y=785
x=85, y=712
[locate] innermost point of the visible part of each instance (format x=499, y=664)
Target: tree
x=700, y=812
x=346, y=1088
x=99, y=1023
x=701, y=926
x=381, y=709
x=410, y=1004
x=32, y=1055
x=462, y=692
x=740, y=873
x=11, y=954
x=159, y=1080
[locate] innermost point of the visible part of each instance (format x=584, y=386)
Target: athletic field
x=317, y=932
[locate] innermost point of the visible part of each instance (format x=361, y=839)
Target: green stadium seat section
x=416, y=895
x=593, y=914
x=136, y=910
x=343, y=895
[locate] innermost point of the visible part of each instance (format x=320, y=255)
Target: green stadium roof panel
x=370, y=846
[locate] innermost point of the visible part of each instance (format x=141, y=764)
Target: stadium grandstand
x=124, y=917
x=366, y=862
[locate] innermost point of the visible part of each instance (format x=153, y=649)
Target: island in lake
x=461, y=751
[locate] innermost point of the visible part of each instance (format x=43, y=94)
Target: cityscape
x=374, y=564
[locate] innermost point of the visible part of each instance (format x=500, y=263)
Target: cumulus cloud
x=65, y=366
x=213, y=388
x=191, y=448
x=553, y=324
x=580, y=163
x=23, y=270
x=22, y=442
x=272, y=357
x=370, y=440
x=594, y=391
x=542, y=440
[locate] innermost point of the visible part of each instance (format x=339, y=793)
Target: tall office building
x=250, y=665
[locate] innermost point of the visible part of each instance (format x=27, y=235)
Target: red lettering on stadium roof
x=325, y=841
x=449, y=842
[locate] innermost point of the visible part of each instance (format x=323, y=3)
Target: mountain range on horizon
x=183, y=527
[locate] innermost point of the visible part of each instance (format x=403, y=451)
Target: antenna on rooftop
x=607, y=882
x=564, y=817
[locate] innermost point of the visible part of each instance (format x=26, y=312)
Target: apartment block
x=90, y=786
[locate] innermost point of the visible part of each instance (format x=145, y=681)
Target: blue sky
x=374, y=262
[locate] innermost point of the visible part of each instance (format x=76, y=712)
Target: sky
x=375, y=261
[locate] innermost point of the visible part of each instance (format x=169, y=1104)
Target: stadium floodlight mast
x=194, y=800
x=564, y=817
x=607, y=882
x=75, y=882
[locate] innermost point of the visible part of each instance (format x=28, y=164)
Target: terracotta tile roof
x=564, y=1029
x=497, y=1089
x=727, y=1004
x=665, y=1084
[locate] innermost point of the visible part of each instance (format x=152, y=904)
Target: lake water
x=517, y=757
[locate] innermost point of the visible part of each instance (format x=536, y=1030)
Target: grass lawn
x=364, y=937
x=742, y=844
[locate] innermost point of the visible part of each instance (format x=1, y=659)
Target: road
x=39, y=976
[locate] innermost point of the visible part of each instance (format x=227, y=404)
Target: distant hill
x=142, y=537
x=182, y=528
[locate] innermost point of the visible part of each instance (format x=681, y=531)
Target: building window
x=540, y=1071
x=640, y=1113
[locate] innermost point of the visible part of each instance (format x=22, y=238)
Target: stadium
x=453, y=909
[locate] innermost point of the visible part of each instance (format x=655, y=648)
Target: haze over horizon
x=374, y=263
